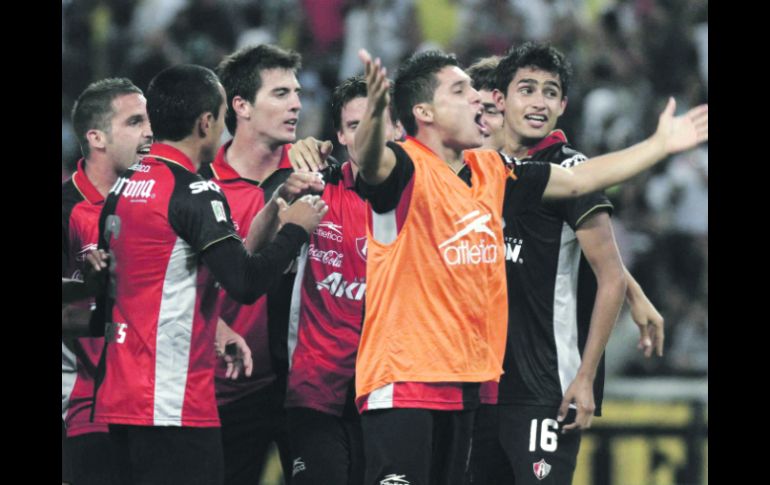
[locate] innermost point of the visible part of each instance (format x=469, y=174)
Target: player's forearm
x=634, y=291
x=370, y=146
x=263, y=227
x=604, y=171
x=74, y=321
x=611, y=290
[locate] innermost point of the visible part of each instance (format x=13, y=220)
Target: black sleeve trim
x=246, y=276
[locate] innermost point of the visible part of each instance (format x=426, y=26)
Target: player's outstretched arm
x=374, y=162
x=674, y=134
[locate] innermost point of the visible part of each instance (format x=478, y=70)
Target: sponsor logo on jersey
x=81, y=255
x=457, y=251
x=336, y=286
x=513, y=249
x=139, y=167
x=134, y=190
x=361, y=247
x=541, y=469
x=204, y=185
x=329, y=257
x=219, y=210
x=394, y=479
x=329, y=230
x=297, y=466
x=574, y=160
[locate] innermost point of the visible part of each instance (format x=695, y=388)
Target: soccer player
x=327, y=309
x=111, y=124
x=263, y=99
x=435, y=265
x=560, y=315
x=165, y=229
x=482, y=74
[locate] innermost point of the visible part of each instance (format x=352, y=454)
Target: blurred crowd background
x=628, y=57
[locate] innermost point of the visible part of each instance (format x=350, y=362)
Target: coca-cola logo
x=330, y=257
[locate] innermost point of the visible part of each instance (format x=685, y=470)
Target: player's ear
x=423, y=112
x=499, y=98
x=96, y=138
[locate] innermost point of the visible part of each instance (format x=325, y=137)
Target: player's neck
x=100, y=173
x=253, y=159
x=189, y=147
x=452, y=156
x=517, y=147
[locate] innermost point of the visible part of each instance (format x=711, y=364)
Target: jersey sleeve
x=385, y=197
x=199, y=213
x=575, y=210
x=525, y=186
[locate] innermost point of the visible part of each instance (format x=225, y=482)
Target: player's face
x=457, y=110
x=130, y=135
x=533, y=104
x=493, y=120
x=276, y=107
x=350, y=116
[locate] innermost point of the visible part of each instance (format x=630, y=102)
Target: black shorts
x=66, y=460
x=416, y=446
x=522, y=445
x=249, y=425
x=326, y=449
x=163, y=455
x=92, y=459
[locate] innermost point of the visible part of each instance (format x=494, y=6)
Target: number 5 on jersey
x=549, y=438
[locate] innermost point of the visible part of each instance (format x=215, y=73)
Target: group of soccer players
x=416, y=315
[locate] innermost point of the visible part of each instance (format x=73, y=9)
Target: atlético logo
x=541, y=469
x=361, y=247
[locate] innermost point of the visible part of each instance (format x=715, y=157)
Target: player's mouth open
x=480, y=124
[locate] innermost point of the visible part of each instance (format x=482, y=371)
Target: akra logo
x=329, y=230
x=463, y=252
x=338, y=287
x=133, y=189
x=204, y=185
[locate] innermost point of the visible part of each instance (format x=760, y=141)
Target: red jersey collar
x=167, y=153
x=224, y=171
x=556, y=136
x=84, y=186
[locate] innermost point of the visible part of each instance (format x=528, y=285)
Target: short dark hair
x=93, y=108
x=241, y=72
x=416, y=83
x=348, y=90
x=177, y=96
x=535, y=55
x=482, y=73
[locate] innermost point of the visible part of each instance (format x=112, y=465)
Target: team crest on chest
x=541, y=469
x=361, y=247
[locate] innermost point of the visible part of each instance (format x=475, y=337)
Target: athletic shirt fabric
x=327, y=304
x=81, y=205
x=158, y=218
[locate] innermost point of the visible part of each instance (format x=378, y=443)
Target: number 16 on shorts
x=548, y=431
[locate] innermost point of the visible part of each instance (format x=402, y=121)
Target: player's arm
x=646, y=317
x=598, y=244
x=247, y=276
x=266, y=223
x=674, y=134
x=375, y=162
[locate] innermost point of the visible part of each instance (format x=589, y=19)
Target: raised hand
x=683, y=132
x=310, y=154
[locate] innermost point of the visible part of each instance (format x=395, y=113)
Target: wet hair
x=533, y=55
x=241, y=73
x=416, y=82
x=93, y=108
x=177, y=96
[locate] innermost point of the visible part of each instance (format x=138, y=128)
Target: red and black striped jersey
x=158, y=219
x=81, y=205
x=328, y=299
